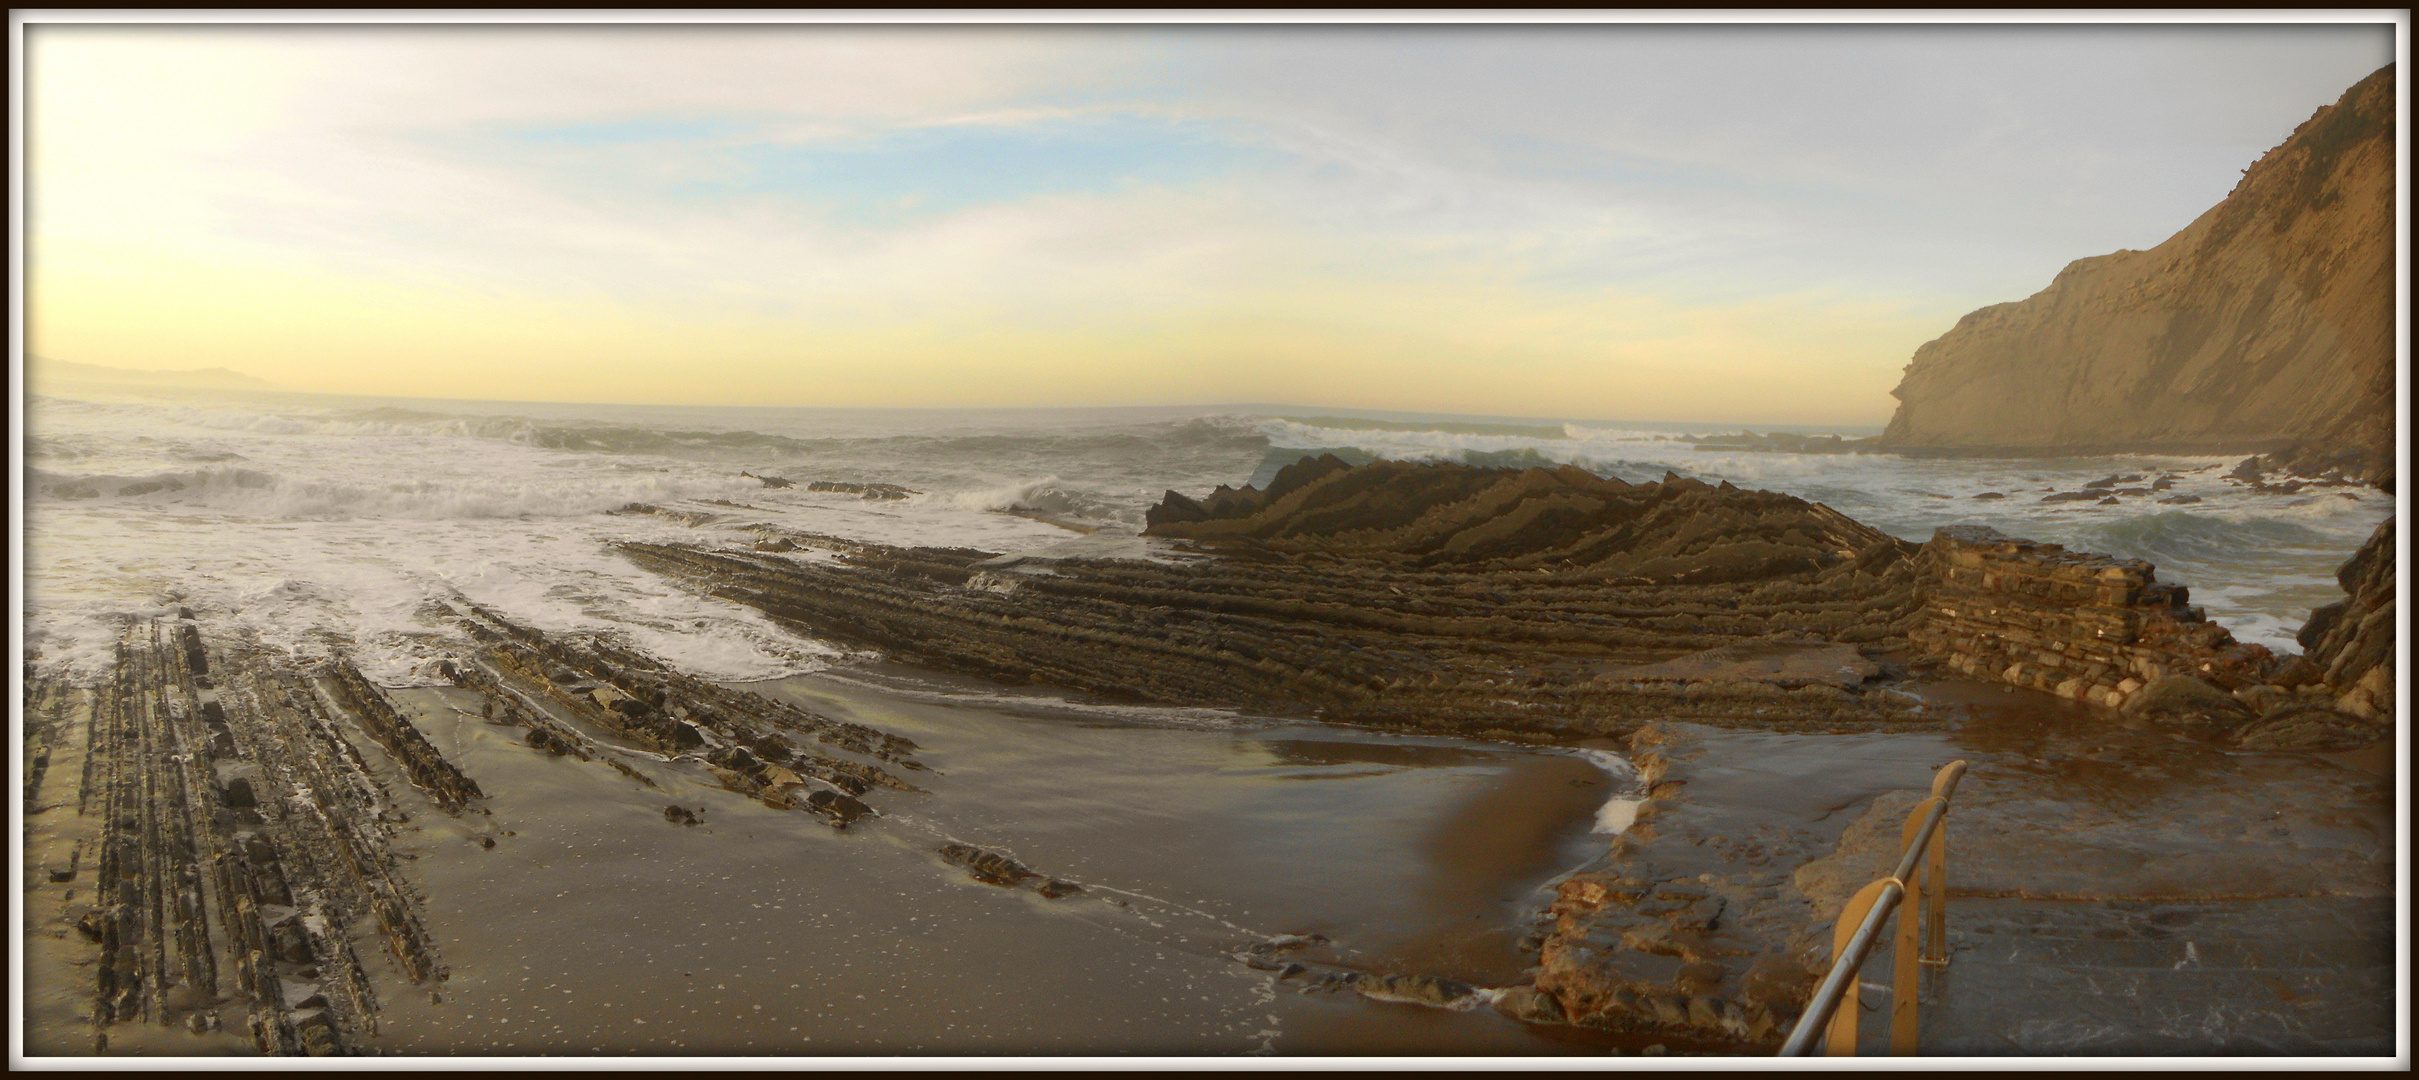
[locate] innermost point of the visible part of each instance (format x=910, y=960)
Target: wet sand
x=596, y=927
x=574, y=917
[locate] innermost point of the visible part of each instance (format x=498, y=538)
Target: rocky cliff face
x=2267, y=324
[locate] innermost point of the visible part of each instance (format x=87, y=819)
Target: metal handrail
x=1859, y=927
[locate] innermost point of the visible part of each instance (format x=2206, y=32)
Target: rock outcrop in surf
x=2350, y=642
x=1565, y=521
x=2265, y=325
x=1432, y=596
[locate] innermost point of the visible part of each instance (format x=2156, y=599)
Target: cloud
x=1780, y=211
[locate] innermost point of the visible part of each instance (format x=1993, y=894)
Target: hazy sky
x=1728, y=223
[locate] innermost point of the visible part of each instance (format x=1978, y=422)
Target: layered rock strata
x=217, y=822
x=2102, y=630
x=2267, y=324
x=752, y=744
x=1431, y=596
x=1565, y=521
x=2083, y=626
x=233, y=869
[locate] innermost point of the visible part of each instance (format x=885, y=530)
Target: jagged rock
x=2351, y=641
x=2265, y=698
x=1568, y=519
x=988, y=867
x=196, y=895
x=839, y=807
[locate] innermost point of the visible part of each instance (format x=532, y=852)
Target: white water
x=326, y=523
x=323, y=524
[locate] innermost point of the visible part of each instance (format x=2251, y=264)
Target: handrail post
x=1922, y=938
x=1936, y=876
x=1840, y=1039
x=1906, y=976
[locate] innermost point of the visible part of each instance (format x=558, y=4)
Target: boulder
x=2182, y=698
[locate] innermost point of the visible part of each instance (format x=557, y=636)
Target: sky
x=1741, y=223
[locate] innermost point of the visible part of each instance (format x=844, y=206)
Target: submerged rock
x=995, y=868
x=2184, y=698
x=870, y=491
x=2307, y=726
x=1419, y=989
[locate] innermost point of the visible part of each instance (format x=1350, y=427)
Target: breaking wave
x=255, y=493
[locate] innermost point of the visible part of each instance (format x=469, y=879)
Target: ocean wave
x=2180, y=537
x=1628, y=792
x=1048, y=497
x=1624, y=453
x=256, y=493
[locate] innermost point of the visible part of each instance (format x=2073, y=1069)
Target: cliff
x=2265, y=325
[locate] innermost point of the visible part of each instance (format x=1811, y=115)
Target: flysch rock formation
x=2265, y=325
x=2084, y=840
x=209, y=826
x=1554, y=604
x=211, y=837
x=1440, y=597
x=210, y=830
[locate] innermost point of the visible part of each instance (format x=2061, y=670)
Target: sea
x=324, y=525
